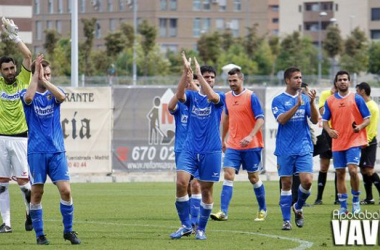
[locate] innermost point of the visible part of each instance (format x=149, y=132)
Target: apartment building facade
x=309, y=16
x=21, y=12
x=179, y=23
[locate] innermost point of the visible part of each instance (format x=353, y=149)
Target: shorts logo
x=214, y=174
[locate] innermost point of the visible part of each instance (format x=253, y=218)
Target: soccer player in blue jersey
x=202, y=148
x=181, y=115
x=46, y=151
x=294, y=147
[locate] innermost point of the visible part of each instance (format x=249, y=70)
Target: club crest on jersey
x=49, y=97
x=15, y=85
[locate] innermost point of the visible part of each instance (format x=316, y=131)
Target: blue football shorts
x=42, y=165
x=249, y=159
x=287, y=165
x=208, y=165
x=177, y=155
x=349, y=156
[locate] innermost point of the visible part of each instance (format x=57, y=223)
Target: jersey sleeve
x=22, y=96
x=176, y=110
x=277, y=107
x=188, y=98
x=327, y=114
x=24, y=77
x=55, y=99
x=256, y=107
x=222, y=99
x=364, y=111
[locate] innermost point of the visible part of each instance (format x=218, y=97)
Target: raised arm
x=32, y=88
x=11, y=29
x=58, y=94
x=173, y=102
x=182, y=84
x=211, y=95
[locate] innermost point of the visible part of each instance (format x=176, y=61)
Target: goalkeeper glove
x=11, y=29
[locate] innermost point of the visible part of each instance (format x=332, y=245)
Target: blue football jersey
x=181, y=117
x=44, y=125
x=294, y=137
x=203, y=135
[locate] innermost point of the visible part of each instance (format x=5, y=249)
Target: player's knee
x=181, y=185
x=65, y=194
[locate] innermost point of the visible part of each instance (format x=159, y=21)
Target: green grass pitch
x=142, y=215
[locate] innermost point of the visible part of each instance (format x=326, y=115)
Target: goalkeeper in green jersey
x=13, y=128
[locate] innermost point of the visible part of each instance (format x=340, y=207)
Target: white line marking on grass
x=303, y=243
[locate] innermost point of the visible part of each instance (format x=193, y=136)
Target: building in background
x=21, y=12
x=179, y=23
x=305, y=15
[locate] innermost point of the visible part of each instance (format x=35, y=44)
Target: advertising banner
x=86, y=119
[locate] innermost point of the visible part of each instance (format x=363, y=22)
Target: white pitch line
x=303, y=243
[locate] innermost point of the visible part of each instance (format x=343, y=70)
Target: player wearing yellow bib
x=13, y=128
x=368, y=153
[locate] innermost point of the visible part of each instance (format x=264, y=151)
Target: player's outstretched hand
x=312, y=94
x=197, y=68
x=10, y=29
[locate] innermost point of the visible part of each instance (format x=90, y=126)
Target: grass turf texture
x=142, y=215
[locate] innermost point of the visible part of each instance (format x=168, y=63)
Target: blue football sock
x=285, y=204
x=183, y=209
x=226, y=196
x=67, y=211
x=195, y=203
x=303, y=194
x=355, y=196
x=343, y=200
x=260, y=195
x=205, y=212
x=36, y=216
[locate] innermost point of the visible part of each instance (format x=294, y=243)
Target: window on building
x=173, y=4
x=327, y=6
x=69, y=6
x=49, y=25
x=300, y=8
x=375, y=14
x=197, y=5
x=163, y=4
x=100, y=5
x=50, y=6
x=37, y=7
x=336, y=7
x=311, y=26
x=237, y=5
x=222, y=5
x=82, y=6
x=113, y=24
x=37, y=49
x=196, y=27
x=312, y=6
x=375, y=34
x=206, y=25
x=163, y=25
x=169, y=47
x=58, y=26
x=274, y=8
x=173, y=27
x=275, y=20
x=235, y=27
x=275, y=32
x=121, y=5
x=38, y=30
x=206, y=5
x=110, y=5
x=219, y=24
x=60, y=6
x=98, y=31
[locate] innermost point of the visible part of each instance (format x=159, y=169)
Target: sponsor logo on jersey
x=44, y=111
x=10, y=97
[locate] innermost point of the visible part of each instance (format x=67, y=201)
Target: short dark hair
x=44, y=63
x=235, y=71
x=207, y=68
x=341, y=72
x=366, y=87
x=289, y=72
x=6, y=59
